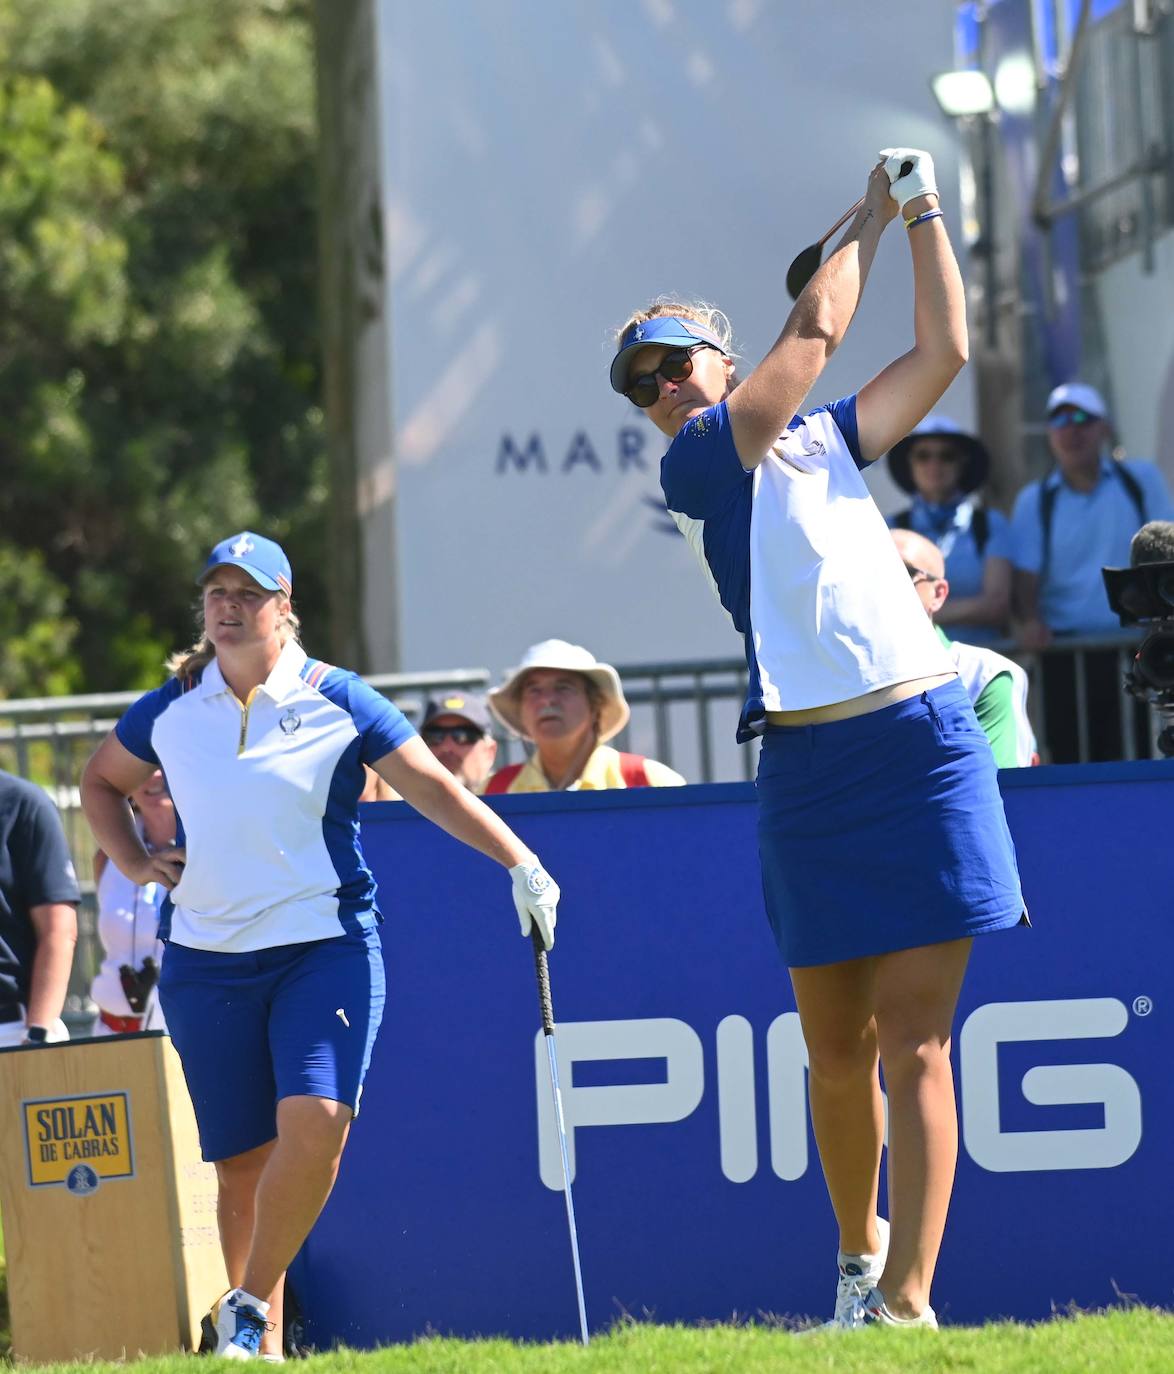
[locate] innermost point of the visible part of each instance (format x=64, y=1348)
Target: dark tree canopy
x=159, y=373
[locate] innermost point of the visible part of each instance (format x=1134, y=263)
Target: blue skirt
x=884, y=832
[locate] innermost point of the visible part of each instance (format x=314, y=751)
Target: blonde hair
x=709, y=315
x=188, y=662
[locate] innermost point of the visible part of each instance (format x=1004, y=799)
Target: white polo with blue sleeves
x=266, y=796
x=802, y=560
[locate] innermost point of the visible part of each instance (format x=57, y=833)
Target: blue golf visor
x=667, y=330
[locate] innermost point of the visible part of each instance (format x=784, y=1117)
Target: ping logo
x=64, y=1133
x=677, y=1092
x=1047, y=1085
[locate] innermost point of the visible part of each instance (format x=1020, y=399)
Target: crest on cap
x=241, y=546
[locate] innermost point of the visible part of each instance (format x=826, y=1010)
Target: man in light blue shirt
x=1077, y=519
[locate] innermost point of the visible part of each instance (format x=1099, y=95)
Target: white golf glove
x=536, y=896
x=918, y=181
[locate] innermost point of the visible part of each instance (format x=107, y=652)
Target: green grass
x=1125, y=1341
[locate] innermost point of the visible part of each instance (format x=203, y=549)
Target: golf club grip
x=542, y=969
x=906, y=168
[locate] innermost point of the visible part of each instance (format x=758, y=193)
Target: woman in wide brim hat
x=974, y=461
x=942, y=466
x=611, y=707
x=568, y=705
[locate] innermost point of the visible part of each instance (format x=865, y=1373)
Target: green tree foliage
x=159, y=380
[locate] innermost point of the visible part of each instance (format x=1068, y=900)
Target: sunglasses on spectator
x=1063, y=418
x=935, y=455
x=917, y=575
x=459, y=734
x=675, y=366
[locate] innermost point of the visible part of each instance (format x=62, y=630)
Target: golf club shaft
x=906, y=168
x=844, y=218
x=544, y=1001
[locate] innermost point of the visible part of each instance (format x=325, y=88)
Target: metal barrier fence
x=672, y=718
x=683, y=713
x=673, y=715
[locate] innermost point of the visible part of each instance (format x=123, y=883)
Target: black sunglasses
x=1063, y=418
x=675, y=366
x=459, y=734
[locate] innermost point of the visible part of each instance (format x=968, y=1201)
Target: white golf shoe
x=871, y=1310
x=859, y=1275
x=234, y=1328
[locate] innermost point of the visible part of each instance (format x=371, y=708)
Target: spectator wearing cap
x=458, y=728
x=568, y=706
x=942, y=467
x=1065, y=527
x=997, y=687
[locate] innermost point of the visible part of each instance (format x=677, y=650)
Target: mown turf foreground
x=1128, y=1341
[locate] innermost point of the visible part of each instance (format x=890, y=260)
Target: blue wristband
x=921, y=219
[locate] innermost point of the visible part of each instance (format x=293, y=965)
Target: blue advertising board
x=696, y=1181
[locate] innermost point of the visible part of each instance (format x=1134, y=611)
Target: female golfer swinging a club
x=272, y=979
x=883, y=843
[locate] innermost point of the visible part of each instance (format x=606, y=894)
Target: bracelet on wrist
x=36, y=1035
x=921, y=219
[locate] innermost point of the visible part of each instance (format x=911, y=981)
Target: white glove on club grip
x=918, y=181
x=536, y=897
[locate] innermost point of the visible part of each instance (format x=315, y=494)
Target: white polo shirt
x=266, y=797
x=802, y=560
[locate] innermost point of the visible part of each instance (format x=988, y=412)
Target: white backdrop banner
x=548, y=168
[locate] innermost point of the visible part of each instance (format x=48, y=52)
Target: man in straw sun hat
x=569, y=705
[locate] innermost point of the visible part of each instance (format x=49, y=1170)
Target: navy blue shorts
x=292, y=1021
x=884, y=832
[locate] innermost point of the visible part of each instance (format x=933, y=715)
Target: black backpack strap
x=1047, y=504
x=1133, y=488
x=980, y=528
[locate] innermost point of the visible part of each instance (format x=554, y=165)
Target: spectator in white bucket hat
x=569, y=705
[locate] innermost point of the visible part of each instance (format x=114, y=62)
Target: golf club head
x=803, y=269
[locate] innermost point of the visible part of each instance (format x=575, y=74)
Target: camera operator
x=128, y=924
x=1143, y=594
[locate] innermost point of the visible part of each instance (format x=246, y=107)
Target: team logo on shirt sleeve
x=698, y=426
x=290, y=720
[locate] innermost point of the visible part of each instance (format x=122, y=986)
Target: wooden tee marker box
x=109, y=1213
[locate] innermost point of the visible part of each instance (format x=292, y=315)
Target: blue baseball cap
x=263, y=560
x=667, y=330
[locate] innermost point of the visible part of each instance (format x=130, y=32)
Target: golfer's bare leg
x=235, y=1207
x=835, y=1004
x=916, y=995
x=294, y=1184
